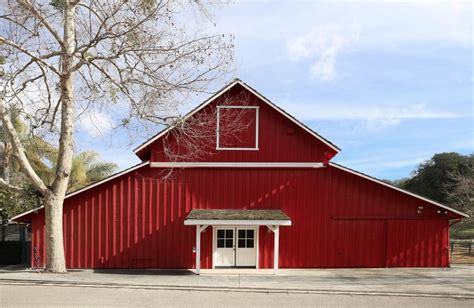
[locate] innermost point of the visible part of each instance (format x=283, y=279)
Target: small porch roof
x=237, y=217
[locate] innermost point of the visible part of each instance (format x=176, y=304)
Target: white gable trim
x=396, y=188
x=290, y=117
x=218, y=94
x=88, y=187
x=235, y=165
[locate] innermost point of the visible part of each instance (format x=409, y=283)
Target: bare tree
x=460, y=195
x=194, y=138
x=135, y=60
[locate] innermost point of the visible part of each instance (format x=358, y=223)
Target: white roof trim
x=215, y=96
x=234, y=165
x=227, y=222
x=26, y=213
x=291, y=118
x=88, y=187
x=396, y=188
x=107, y=179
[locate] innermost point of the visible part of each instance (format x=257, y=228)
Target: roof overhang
x=222, y=222
x=227, y=217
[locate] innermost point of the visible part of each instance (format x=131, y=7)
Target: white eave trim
x=396, y=188
x=236, y=165
x=116, y=175
x=26, y=213
x=228, y=222
x=288, y=116
x=218, y=94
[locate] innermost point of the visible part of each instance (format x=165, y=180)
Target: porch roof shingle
x=235, y=214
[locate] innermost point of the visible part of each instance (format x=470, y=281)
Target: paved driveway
x=455, y=282
x=61, y=296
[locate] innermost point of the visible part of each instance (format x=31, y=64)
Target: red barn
x=264, y=196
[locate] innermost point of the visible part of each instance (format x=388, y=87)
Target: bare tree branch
x=10, y=187
x=30, y=54
x=42, y=19
x=20, y=151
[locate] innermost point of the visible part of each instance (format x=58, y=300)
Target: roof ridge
x=229, y=85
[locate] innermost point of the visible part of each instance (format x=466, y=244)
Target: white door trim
x=214, y=240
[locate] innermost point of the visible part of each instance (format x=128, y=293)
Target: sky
x=390, y=83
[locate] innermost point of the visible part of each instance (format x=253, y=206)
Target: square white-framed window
x=239, y=139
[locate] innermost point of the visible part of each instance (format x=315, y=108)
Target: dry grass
x=462, y=258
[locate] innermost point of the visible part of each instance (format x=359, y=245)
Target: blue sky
x=390, y=83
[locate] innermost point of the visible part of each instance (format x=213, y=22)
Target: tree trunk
x=7, y=155
x=54, y=202
x=54, y=234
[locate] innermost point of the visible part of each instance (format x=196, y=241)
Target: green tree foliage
x=87, y=168
x=15, y=203
x=449, y=179
x=434, y=177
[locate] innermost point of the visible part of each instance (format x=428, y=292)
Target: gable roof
x=370, y=178
x=257, y=94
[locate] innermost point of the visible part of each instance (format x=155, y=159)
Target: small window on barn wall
x=237, y=128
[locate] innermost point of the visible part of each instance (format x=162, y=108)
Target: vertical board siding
x=279, y=139
x=338, y=220
x=418, y=243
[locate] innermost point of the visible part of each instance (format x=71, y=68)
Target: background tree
x=449, y=179
x=87, y=168
x=136, y=60
x=434, y=177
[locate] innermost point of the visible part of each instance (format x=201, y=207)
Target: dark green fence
x=15, y=245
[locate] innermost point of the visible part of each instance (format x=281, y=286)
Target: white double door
x=235, y=247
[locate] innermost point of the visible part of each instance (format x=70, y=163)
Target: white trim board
x=228, y=222
x=113, y=176
x=218, y=147
x=236, y=165
x=222, y=91
x=395, y=188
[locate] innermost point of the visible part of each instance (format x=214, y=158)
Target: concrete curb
x=65, y=283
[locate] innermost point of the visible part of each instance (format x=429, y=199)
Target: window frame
x=256, y=147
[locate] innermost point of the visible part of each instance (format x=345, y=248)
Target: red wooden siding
x=418, y=243
x=280, y=140
x=339, y=220
x=361, y=243
x=242, y=136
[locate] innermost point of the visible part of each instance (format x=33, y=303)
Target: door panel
x=360, y=243
x=246, y=247
x=418, y=243
x=224, y=254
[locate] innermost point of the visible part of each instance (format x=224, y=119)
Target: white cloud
x=374, y=117
x=321, y=46
x=95, y=123
x=375, y=163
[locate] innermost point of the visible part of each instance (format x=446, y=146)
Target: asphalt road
x=64, y=296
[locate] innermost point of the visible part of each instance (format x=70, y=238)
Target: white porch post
x=198, y=249
x=276, y=234
x=199, y=229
